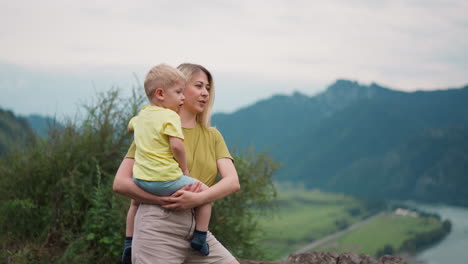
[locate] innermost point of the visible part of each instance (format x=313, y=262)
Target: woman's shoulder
x=214, y=131
x=211, y=132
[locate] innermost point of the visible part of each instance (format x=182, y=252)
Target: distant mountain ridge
x=42, y=124
x=14, y=131
x=334, y=140
x=17, y=131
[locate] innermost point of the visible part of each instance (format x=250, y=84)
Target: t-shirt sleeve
x=221, y=148
x=173, y=127
x=131, y=151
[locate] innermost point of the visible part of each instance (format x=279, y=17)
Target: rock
x=349, y=258
x=389, y=259
x=331, y=258
x=314, y=258
x=366, y=259
x=261, y=262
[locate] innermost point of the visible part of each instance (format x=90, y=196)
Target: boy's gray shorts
x=164, y=188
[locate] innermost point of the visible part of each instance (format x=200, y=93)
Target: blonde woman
x=165, y=225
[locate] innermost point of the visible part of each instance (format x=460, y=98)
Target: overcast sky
x=56, y=54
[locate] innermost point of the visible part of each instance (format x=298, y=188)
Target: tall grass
x=52, y=190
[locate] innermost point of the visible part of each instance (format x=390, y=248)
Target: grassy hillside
x=387, y=234
x=304, y=216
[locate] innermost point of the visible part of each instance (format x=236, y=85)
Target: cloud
x=406, y=44
x=26, y=90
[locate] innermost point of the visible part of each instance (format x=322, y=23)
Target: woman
x=164, y=225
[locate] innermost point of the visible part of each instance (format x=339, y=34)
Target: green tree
x=57, y=204
x=57, y=182
x=234, y=220
x=387, y=250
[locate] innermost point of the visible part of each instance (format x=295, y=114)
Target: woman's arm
x=124, y=185
x=228, y=184
x=182, y=199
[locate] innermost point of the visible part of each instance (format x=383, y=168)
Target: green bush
x=423, y=240
x=234, y=221
x=16, y=219
x=387, y=250
x=62, y=188
x=101, y=238
x=57, y=204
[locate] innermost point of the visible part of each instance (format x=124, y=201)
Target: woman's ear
x=159, y=93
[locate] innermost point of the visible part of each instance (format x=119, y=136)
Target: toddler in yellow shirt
x=160, y=163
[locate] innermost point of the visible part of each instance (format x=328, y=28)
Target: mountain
x=431, y=167
x=348, y=138
x=42, y=124
x=14, y=131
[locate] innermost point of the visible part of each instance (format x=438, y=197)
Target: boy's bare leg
x=202, y=218
x=127, y=252
x=132, y=210
x=203, y=214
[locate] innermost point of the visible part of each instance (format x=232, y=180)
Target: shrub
x=234, y=220
x=57, y=204
x=58, y=185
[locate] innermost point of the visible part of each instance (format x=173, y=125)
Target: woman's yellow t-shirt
x=203, y=146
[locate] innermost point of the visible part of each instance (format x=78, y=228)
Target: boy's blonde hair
x=190, y=69
x=162, y=76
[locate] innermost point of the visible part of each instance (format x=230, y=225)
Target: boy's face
x=174, y=96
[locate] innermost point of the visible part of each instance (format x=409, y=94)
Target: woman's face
x=197, y=93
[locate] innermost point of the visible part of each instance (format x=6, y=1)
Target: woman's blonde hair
x=189, y=70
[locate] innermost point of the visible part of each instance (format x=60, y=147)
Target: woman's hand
x=183, y=200
x=229, y=183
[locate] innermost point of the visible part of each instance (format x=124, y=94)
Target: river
x=453, y=249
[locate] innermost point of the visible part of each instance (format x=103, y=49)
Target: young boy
x=160, y=164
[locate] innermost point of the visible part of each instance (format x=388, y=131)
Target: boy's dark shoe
x=127, y=256
x=199, y=243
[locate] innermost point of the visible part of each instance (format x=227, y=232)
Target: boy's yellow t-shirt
x=203, y=147
x=154, y=160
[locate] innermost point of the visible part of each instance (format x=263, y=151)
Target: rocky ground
x=331, y=258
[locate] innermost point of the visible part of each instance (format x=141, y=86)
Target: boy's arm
x=130, y=127
x=124, y=185
x=178, y=150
